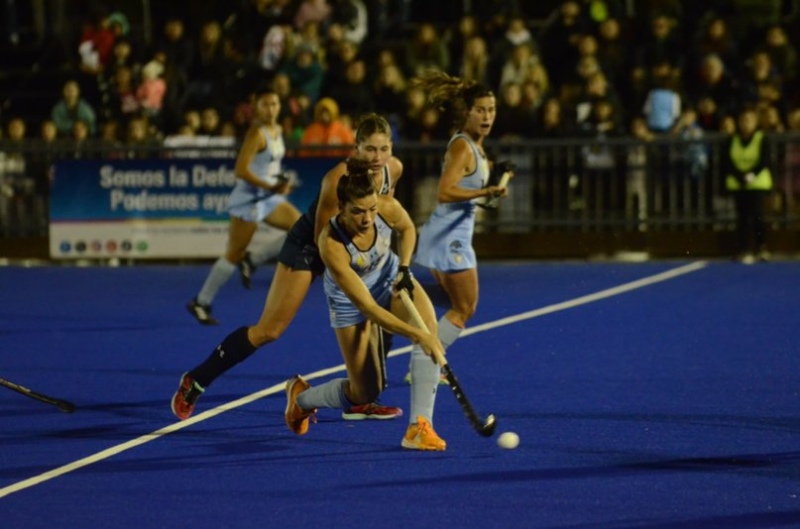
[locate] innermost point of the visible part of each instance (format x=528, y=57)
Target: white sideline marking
x=114, y=450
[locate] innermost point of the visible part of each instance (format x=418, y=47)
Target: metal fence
x=569, y=185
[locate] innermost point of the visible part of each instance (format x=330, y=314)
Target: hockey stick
x=493, y=201
x=484, y=427
x=66, y=407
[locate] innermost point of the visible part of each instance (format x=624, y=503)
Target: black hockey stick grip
x=63, y=405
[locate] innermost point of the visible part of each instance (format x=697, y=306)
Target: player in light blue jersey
x=362, y=274
x=259, y=195
x=445, y=241
x=299, y=264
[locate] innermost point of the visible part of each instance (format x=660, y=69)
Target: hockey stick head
x=488, y=427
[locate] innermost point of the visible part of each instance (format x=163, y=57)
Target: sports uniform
x=445, y=241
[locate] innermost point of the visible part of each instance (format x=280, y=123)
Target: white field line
x=114, y=450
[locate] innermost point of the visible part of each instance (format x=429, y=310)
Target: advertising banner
x=155, y=208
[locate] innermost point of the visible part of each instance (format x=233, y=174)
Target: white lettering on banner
x=109, y=177
x=144, y=201
x=221, y=177
x=215, y=203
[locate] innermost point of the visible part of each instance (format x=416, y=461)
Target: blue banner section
x=93, y=190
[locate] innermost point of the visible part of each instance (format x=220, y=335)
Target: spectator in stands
x=390, y=89
x=205, y=86
x=559, y=38
x=122, y=103
x=662, y=107
x=597, y=87
x=312, y=11
x=613, y=51
x=637, y=171
x=305, y=73
x=72, y=108
x=209, y=122
x=296, y=108
x=661, y=45
x=519, y=65
x=552, y=122
x=412, y=115
x=122, y=56
x=513, y=121
x=727, y=125
x=354, y=96
x=336, y=61
x=427, y=50
x=351, y=16
x=782, y=52
x=717, y=39
x=150, y=92
x=474, y=64
x=760, y=71
x=327, y=129
x=80, y=141
x=769, y=118
x=748, y=177
x=715, y=81
x=138, y=139
x=791, y=165
x=694, y=154
x=457, y=38
x=515, y=47
x=708, y=115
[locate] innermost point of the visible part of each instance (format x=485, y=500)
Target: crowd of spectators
x=590, y=68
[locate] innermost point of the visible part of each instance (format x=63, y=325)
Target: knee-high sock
x=424, y=383
x=234, y=349
x=328, y=395
x=266, y=252
x=220, y=272
x=448, y=333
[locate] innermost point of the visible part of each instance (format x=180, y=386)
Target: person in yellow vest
x=748, y=178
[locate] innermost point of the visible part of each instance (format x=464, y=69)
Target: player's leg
x=287, y=292
x=362, y=385
x=240, y=232
x=462, y=290
x=424, y=371
x=275, y=212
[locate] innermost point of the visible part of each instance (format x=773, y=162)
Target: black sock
x=233, y=349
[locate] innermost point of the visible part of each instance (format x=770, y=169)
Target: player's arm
x=328, y=204
x=395, y=173
x=457, y=161
x=337, y=263
x=253, y=142
x=398, y=218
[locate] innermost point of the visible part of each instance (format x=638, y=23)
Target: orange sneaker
x=296, y=417
x=184, y=399
x=421, y=436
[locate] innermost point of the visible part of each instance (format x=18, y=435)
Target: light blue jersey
x=445, y=241
x=253, y=203
x=376, y=266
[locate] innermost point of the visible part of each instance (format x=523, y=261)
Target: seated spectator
x=519, y=65
x=514, y=121
x=327, y=129
x=782, y=52
x=72, y=108
x=662, y=106
x=427, y=50
x=122, y=103
x=715, y=81
x=354, y=96
x=474, y=65
x=716, y=39
x=305, y=73
x=150, y=92
x=390, y=89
